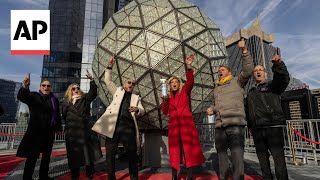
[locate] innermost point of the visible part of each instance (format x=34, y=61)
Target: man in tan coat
x=230, y=123
x=119, y=123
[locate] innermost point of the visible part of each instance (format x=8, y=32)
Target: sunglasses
x=74, y=88
x=44, y=85
x=130, y=82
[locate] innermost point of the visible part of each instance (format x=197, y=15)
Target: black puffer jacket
x=263, y=101
x=82, y=144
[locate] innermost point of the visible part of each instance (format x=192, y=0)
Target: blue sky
x=294, y=23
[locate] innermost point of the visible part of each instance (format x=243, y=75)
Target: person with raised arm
x=119, y=123
x=266, y=119
x=228, y=108
x=44, y=122
x=82, y=144
x=184, y=144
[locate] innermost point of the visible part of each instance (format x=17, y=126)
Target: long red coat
x=182, y=131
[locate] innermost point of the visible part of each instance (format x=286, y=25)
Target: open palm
x=189, y=59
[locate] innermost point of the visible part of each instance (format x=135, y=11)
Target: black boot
x=111, y=177
x=75, y=173
x=174, y=177
x=189, y=174
x=133, y=176
x=90, y=171
x=174, y=174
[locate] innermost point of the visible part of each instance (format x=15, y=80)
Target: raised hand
x=242, y=45
x=163, y=97
x=189, y=60
x=112, y=60
x=26, y=81
x=89, y=75
x=276, y=57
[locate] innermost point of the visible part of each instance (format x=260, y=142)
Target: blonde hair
x=68, y=94
x=172, y=78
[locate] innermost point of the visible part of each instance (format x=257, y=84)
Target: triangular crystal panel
x=155, y=58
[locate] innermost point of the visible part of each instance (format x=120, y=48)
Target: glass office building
x=92, y=28
x=63, y=66
x=8, y=100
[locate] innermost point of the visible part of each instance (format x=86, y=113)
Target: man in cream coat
x=119, y=123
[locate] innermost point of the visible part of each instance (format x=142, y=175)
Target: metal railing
x=300, y=139
x=303, y=150
x=299, y=150
x=206, y=134
x=6, y=142
x=9, y=139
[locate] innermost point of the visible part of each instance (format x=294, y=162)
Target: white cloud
x=229, y=15
x=301, y=54
x=293, y=5
x=266, y=10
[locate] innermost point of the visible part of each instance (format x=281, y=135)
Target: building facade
x=8, y=100
x=295, y=111
x=300, y=104
x=63, y=66
x=316, y=93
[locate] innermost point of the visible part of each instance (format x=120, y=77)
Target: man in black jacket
x=266, y=118
x=44, y=122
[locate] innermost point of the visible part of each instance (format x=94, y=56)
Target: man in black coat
x=44, y=122
x=266, y=118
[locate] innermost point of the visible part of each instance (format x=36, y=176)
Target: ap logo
x=30, y=32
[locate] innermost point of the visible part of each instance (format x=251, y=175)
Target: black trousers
x=44, y=166
x=270, y=139
x=128, y=138
x=75, y=172
x=231, y=137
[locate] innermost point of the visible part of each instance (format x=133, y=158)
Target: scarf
x=224, y=80
x=75, y=98
x=54, y=107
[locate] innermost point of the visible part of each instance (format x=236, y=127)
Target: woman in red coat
x=184, y=144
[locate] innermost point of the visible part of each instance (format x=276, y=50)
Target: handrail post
x=13, y=137
x=313, y=145
x=290, y=128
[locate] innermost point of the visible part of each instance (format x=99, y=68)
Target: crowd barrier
x=7, y=132
x=9, y=139
x=301, y=139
